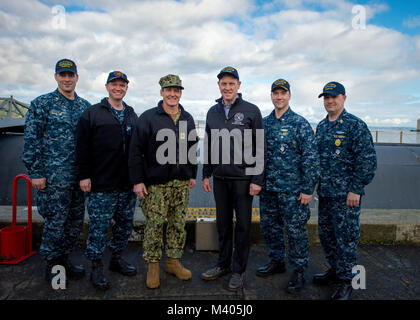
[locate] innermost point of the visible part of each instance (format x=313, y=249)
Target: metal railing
x=396, y=136
x=378, y=135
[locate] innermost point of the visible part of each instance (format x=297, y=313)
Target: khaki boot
x=152, y=280
x=175, y=267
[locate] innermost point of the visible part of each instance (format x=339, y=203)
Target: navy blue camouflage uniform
x=103, y=139
x=49, y=152
x=102, y=208
x=292, y=168
x=348, y=164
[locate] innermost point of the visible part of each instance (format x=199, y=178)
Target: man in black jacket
x=237, y=171
x=103, y=139
x=163, y=167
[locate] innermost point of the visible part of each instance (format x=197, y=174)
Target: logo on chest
x=339, y=138
x=284, y=132
x=338, y=142
x=56, y=113
x=238, y=118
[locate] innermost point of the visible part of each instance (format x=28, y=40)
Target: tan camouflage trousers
x=165, y=203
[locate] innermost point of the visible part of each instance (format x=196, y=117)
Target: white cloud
x=386, y=122
x=195, y=39
x=413, y=22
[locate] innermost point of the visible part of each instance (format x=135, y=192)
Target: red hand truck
x=16, y=241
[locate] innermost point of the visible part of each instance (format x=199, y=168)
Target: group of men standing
x=107, y=153
x=339, y=160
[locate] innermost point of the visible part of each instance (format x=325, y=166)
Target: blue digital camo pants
x=102, y=207
x=277, y=212
x=339, y=233
x=63, y=211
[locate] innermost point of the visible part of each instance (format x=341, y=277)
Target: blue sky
x=395, y=16
x=307, y=42
x=398, y=13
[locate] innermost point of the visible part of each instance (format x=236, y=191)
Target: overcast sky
x=306, y=42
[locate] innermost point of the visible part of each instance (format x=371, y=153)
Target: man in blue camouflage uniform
x=290, y=178
x=348, y=164
x=103, y=139
x=49, y=157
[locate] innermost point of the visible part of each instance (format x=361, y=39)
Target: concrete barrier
x=378, y=226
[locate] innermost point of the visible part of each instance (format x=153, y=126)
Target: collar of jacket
x=221, y=106
x=105, y=103
x=60, y=96
x=160, y=109
x=342, y=115
x=288, y=113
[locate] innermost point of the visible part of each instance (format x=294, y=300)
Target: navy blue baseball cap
x=333, y=88
x=280, y=83
x=228, y=70
x=65, y=65
x=116, y=75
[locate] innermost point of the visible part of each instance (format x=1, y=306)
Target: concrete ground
x=391, y=274
x=389, y=252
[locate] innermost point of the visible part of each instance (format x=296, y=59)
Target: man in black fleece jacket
x=103, y=139
x=236, y=180
x=163, y=167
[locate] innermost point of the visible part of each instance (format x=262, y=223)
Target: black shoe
x=72, y=271
x=118, y=264
x=214, y=273
x=236, y=281
x=271, y=268
x=97, y=276
x=325, y=278
x=49, y=275
x=343, y=291
x=296, y=282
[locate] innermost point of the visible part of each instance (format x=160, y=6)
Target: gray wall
x=395, y=186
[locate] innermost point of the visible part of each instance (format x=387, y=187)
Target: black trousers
x=233, y=195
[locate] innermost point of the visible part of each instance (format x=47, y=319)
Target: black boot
x=296, y=282
x=97, y=276
x=72, y=271
x=343, y=291
x=118, y=264
x=271, y=268
x=325, y=278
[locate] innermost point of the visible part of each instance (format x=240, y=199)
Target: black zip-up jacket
x=242, y=115
x=145, y=148
x=103, y=147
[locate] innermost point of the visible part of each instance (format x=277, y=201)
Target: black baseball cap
x=333, y=88
x=65, y=65
x=117, y=75
x=228, y=70
x=280, y=83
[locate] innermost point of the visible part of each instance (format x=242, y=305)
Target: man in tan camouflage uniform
x=163, y=167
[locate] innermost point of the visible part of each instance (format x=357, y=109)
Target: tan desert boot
x=152, y=280
x=175, y=267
